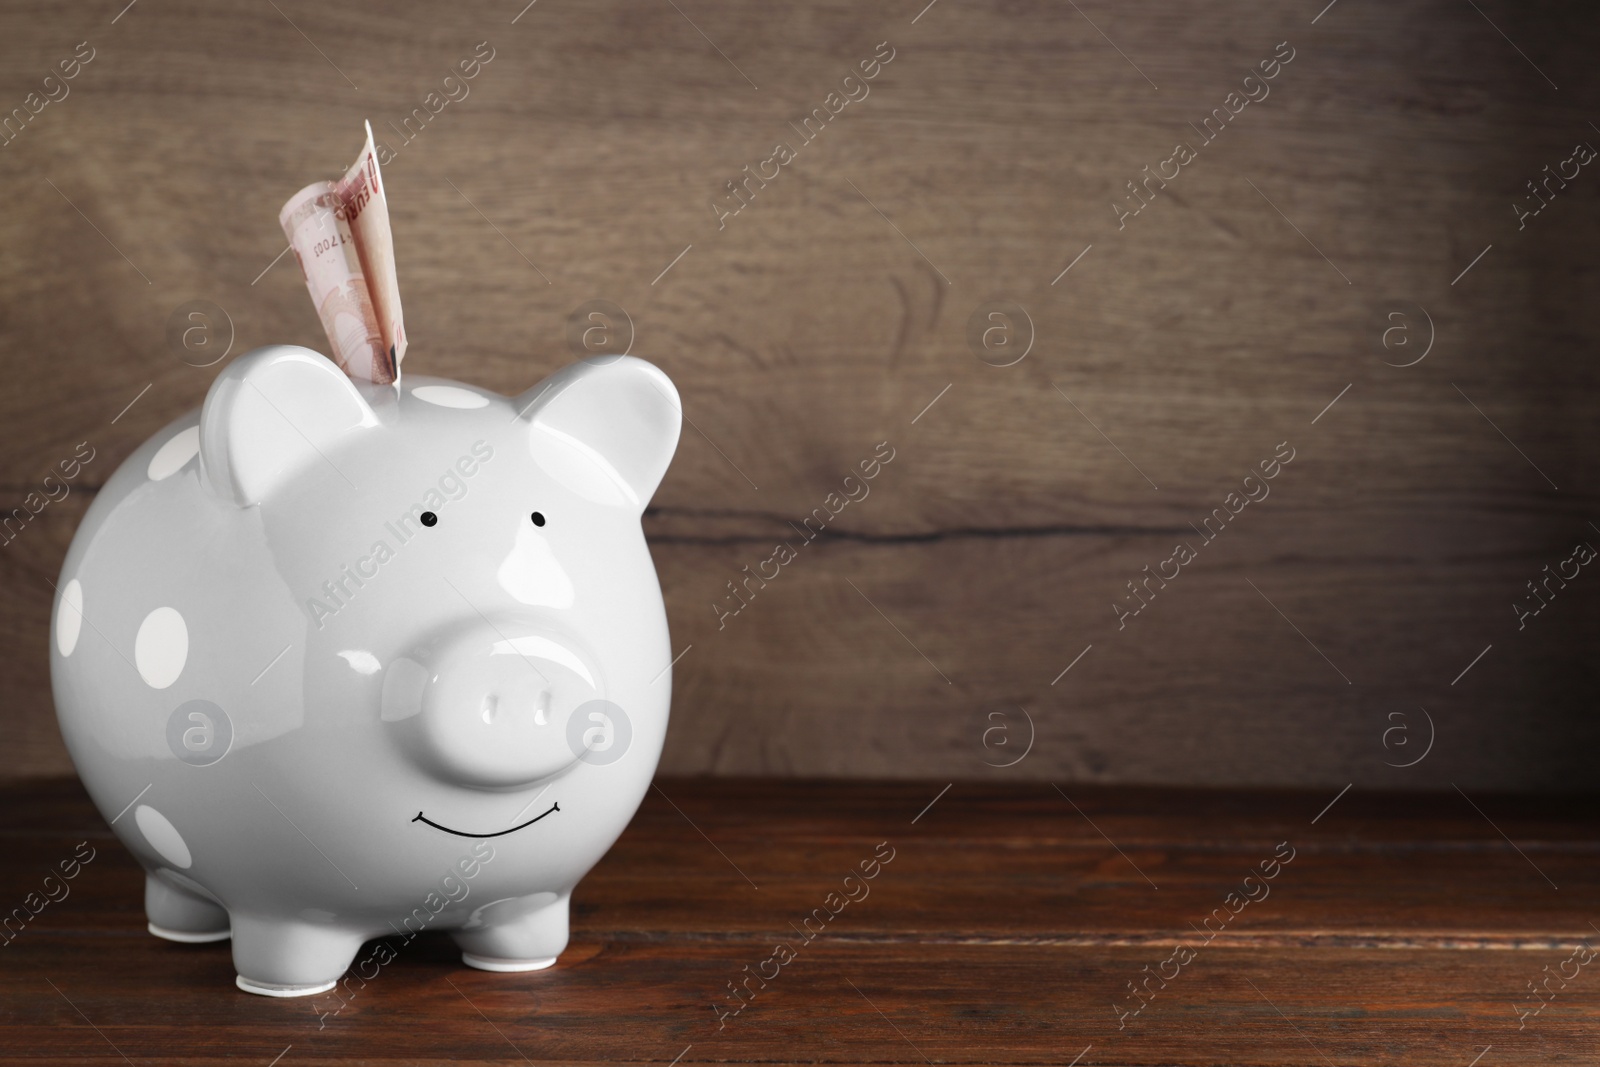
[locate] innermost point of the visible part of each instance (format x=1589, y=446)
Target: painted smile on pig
x=498, y=833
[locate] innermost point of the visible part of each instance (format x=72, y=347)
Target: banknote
x=366, y=206
x=341, y=238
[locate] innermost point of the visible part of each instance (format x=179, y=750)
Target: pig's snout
x=488, y=704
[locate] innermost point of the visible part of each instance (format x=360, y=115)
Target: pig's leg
x=178, y=915
x=527, y=938
x=287, y=958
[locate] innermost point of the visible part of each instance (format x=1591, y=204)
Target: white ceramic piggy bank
x=340, y=661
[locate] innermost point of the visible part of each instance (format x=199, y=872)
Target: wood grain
x=1002, y=930
x=1218, y=322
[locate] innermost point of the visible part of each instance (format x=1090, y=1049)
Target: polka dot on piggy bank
x=161, y=647
x=170, y=457
x=69, y=617
x=450, y=396
x=163, y=836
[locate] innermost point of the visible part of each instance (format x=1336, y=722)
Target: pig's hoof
x=190, y=937
x=491, y=963
x=267, y=989
x=286, y=958
x=179, y=915
x=517, y=934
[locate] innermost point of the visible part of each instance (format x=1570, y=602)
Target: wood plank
x=806, y=330
x=1208, y=669
x=961, y=1004
x=1403, y=931
x=1378, y=869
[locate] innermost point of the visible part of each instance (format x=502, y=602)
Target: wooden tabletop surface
x=1003, y=924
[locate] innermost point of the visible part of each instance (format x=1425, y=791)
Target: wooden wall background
x=811, y=327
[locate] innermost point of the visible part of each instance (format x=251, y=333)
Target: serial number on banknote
x=328, y=244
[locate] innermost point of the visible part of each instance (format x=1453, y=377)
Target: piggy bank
x=341, y=661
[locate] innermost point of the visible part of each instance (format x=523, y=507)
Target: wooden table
x=1004, y=925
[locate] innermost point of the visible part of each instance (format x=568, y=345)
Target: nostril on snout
x=489, y=705
x=489, y=708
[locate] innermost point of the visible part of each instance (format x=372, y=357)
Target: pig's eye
x=429, y=518
x=538, y=518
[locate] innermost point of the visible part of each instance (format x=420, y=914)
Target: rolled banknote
x=366, y=206
x=341, y=238
x=314, y=221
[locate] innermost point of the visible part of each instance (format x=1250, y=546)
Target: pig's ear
x=270, y=415
x=605, y=428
